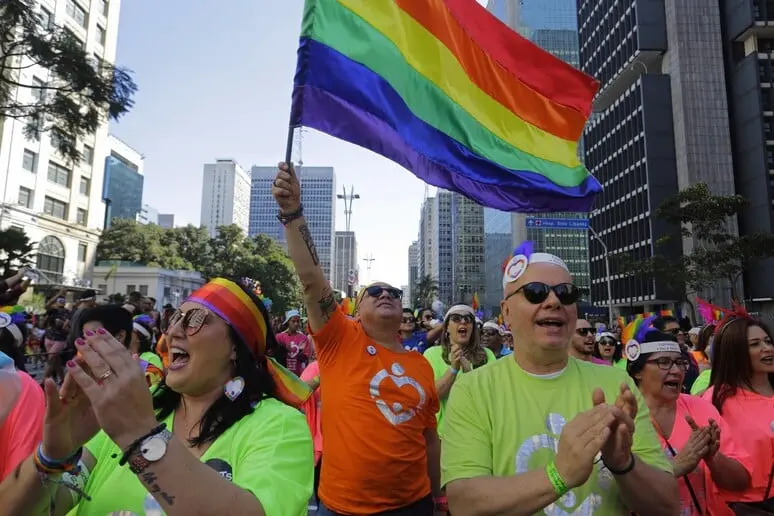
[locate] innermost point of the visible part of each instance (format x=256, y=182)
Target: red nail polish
x=101, y=331
x=70, y=363
x=80, y=342
x=88, y=333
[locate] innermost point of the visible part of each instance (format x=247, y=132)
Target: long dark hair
x=474, y=351
x=705, y=335
x=617, y=354
x=145, y=343
x=9, y=347
x=224, y=413
x=731, y=364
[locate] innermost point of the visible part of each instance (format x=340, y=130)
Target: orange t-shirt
x=378, y=403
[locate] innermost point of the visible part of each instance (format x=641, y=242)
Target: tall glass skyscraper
x=553, y=26
x=122, y=188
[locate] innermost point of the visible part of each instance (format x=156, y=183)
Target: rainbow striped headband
x=229, y=302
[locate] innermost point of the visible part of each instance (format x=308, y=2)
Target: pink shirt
x=708, y=496
x=750, y=417
x=312, y=410
x=23, y=429
x=297, y=345
x=599, y=361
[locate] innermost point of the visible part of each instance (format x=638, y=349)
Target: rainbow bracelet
x=53, y=467
x=557, y=482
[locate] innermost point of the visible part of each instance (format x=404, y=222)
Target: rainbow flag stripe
x=446, y=90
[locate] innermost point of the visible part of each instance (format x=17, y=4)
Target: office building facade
x=123, y=182
x=58, y=204
x=413, y=271
x=660, y=124
x=148, y=215
x=498, y=232
x=167, y=220
x=345, y=261
x=226, y=191
x=318, y=195
x=748, y=43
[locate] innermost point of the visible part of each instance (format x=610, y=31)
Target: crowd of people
x=215, y=407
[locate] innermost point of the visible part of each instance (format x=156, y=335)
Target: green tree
x=425, y=291
x=130, y=241
x=719, y=253
x=16, y=251
x=82, y=93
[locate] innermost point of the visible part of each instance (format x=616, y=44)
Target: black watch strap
x=286, y=219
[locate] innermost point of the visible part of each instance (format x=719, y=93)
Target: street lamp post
x=607, y=273
x=348, y=197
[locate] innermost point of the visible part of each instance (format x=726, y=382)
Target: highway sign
x=536, y=223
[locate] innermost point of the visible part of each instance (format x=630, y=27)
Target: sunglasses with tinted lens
x=608, y=342
x=409, y=320
x=377, y=290
x=458, y=318
x=585, y=332
x=536, y=292
x=191, y=320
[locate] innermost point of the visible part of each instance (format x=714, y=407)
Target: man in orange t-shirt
x=381, y=446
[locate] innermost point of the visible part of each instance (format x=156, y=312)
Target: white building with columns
x=59, y=205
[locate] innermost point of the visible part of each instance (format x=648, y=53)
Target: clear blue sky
x=214, y=82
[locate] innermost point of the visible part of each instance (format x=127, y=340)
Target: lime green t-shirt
x=268, y=453
x=152, y=358
x=702, y=383
x=434, y=355
x=502, y=421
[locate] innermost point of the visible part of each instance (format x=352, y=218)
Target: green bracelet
x=558, y=483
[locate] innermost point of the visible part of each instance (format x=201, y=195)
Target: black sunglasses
x=585, y=332
x=536, y=292
x=459, y=318
x=377, y=290
x=409, y=320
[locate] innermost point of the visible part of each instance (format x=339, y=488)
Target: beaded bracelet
x=557, y=482
x=53, y=466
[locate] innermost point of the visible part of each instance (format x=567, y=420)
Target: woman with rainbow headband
x=221, y=434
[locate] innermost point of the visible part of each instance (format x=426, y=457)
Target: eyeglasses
x=458, y=318
x=608, y=342
x=192, y=320
x=585, y=332
x=536, y=292
x=409, y=320
x=378, y=290
x=666, y=363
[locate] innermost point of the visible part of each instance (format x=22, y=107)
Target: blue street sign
x=536, y=223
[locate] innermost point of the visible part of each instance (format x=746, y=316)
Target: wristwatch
x=151, y=450
x=286, y=219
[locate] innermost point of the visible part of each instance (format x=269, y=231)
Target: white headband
x=17, y=334
x=517, y=265
x=459, y=310
x=605, y=335
x=493, y=326
x=141, y=330
x=634, y=349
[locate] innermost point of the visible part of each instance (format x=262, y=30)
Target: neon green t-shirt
x=702, y=383
x=152, y=358
x=268, y=453
x=434, y=355
x=503, y=421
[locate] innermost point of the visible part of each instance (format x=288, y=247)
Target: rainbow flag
x=475, y=303
x=448, y=91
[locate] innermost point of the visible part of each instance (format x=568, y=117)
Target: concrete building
x=148, y=215
x=497, y=246
x=661, y=124
x=123, y=184
x=428, y=250
x=318, y=195
x=59, y=204
x=225, y=196
x=167, y=220
x=406, y=301
x=442, y=252
x=345, y=260
x=748, y=44
x=413, y=271
x=166, y=286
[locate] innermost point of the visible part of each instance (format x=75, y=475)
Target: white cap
x=517, y=265
x=493, y=326
x=460, y=310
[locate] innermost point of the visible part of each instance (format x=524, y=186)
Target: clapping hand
x=581, y=441
x=694, y=450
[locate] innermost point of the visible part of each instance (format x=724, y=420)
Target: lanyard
x=674, y=454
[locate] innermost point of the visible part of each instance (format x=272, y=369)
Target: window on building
x=83, y=250
x=77, y=13
x=34, y=127
x=85, y=186
x=46, y=19
x=25, y=197
x=30, y=161
x=130, y=289
x=97, y=63
x=55, y=208
x=81, y=216
x=38, y=90
x=78, y=41
x=88, y=155
x=58, y=174
x=103, y=7
x=51, y=258
x=144, y=290
x=101, y=35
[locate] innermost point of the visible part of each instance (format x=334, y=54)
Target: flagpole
x=289, y=146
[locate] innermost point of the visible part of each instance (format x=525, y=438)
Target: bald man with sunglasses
x=382, y=453
x=540, y=432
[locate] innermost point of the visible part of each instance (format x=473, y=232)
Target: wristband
x=51, y=466
x=557, y=482
x=136, y=444
x=621, y=472
x=441, y=503
x=453, y=371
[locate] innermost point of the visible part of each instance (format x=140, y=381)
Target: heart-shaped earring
x=234, y=388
